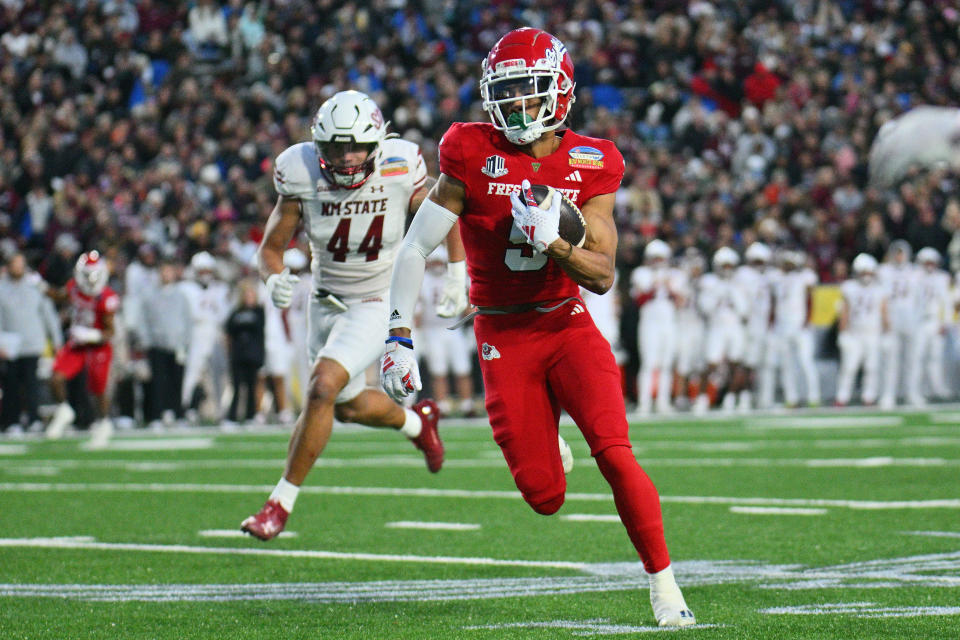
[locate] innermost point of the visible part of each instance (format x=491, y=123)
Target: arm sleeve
x=428, y=229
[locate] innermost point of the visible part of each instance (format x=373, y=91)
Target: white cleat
x=669, y=607
x=100, y=433
x=566, y=455
x=62, y=418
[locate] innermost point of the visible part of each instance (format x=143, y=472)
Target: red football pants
x=71, y=360
x=533, y=365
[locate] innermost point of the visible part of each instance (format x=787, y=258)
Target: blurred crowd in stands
x=149, y=128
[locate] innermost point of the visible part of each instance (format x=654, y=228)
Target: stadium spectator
x=245, y=333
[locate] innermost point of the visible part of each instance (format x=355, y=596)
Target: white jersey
x=722, y=301
x=660, y=282
x=790, y=299
x=756, y=286
x=933, y=296
x=209, y=306
x=901, y=283
x=354, y=233
x=864, y=302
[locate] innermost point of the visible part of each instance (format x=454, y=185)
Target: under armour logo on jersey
x=495, y=167
x=489, y=352
x=374, y=188
x=577, y=308
x=574, y=177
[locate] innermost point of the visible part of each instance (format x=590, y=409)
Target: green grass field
x=821, y=525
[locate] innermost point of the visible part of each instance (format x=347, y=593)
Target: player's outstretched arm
x=281, y=225
x=591, y=266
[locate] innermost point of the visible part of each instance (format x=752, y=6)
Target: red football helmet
x=91, y=273
x=527, y=64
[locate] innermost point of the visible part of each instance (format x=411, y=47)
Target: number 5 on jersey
x=339, y=244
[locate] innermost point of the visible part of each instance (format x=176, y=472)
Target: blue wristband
x=407, y=342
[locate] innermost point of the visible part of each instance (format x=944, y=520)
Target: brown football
x=573, y=228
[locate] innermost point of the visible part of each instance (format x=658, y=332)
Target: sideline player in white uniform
x=935, y=309
x=899, y=276
x=353, y=187
x=657, y=288
x=793, y=292
x=725, y=306
x=690, y=360
x=444, y=350
x=209, y=301
x=863, y=321
x=754, y=279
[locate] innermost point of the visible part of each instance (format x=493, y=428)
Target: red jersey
x=86, y=311
x=504, y=269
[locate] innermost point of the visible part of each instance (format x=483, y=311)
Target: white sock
x=412, y=425
x=664, y=583
x=286, y=494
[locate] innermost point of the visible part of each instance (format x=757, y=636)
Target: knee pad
x=543, y=491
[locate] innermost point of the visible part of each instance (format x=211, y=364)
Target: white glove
x=280, y=287
x=453, y=298
x=844, y=340
x=540, y=227
x=85, y=335
x=399, y=373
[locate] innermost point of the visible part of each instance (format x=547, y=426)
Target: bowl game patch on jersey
x=394, y=166
x=585, y=157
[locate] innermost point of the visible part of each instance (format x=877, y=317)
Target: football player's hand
x=280, y=287
x=399, y=373
x=453, y=298
x=85, y=335
x=539, y=226
x=843, y=340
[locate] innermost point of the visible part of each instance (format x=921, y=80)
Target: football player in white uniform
x=863, y=321
x=725, y=305
x=296, y=260
x=657, y=288
x=352, y=186
x=690, y=360
x=754, y=279
x=935, y=309
x=792, y=304
x=209, y=300
x=899, y=276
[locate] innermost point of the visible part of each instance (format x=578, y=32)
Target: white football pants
x=859, y=349
x=796, y=350
x=927, y=348
x=657, y=352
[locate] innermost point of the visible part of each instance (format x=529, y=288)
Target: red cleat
x=268, y=522
x=429, y=440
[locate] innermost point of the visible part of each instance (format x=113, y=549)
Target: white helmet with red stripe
x=91, y=273
x=526, y=65
x=348, y=124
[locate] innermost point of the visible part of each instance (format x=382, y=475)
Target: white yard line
x=433, y=526
x=159, y=444
x=68, y=543
x=778, y=511
x=237, y=533
x=945, y=418
x=824, y=422
x=590, y=517
x=162, y=487
x=13, y=449
x=934, y=534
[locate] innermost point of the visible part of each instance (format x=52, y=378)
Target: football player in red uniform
x=92, y=307
x=539, y=348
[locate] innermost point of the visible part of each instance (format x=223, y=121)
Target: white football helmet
x=347, y=123
x=864, y=265
x=91, y=273
x=656, y=249
x=899, y=252
x=725, y=259
x=928, y=257
x=925, y=137
x=758, y=252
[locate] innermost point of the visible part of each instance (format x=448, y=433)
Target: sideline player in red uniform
x=92, y=307
x=539, y=348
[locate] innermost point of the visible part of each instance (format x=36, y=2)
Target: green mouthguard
x=519, y=120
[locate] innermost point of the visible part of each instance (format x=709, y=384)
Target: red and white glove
x=399, y=373
x=85, y=335
x=539, y=226
x=280, y=287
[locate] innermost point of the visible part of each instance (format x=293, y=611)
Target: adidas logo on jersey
x=395, y=315
x=577, y=308
x=574, y=177
x=489, y=352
